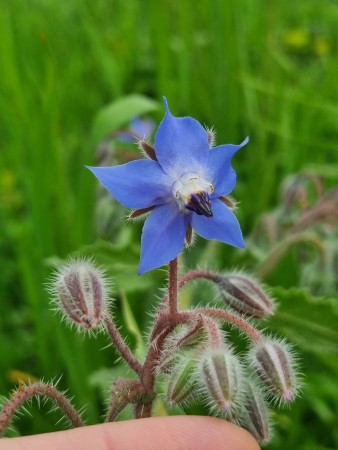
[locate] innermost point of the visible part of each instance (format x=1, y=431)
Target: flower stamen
x=199, y=203
x=191, y=192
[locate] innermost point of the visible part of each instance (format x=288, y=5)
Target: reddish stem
x=124, y=392
x=165, y=324
x=233, y=319
x=214, y=333
x=122, y=347
x=173, y=286
x=37, y=389
x=143, y=410
x=189, y=276
x=195, y=274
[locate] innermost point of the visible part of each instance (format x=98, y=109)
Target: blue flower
x=138, y=128
x=183, y=185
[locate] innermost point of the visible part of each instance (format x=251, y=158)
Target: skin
x=156, y=433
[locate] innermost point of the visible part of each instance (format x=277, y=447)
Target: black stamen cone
x=200, y=204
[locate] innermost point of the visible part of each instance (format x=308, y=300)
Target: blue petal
x=137, y=184
x=162, y=237
x=181, y=145
x=223, y=226
x=219, y=172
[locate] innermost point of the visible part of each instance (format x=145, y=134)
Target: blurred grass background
x=264, y=69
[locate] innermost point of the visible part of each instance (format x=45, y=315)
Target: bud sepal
x=182, y=379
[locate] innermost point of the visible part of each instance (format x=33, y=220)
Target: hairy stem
x=195, y=274
x=143, y=410
x=123, y=348
x=173, y=286
x=33, y=390
x=189, y=276
x=124, y=392
x=214, y=333
x=253, y=334
x=164, y=327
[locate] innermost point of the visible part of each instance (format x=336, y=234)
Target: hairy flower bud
x=274, y=363
x=186, y=339
x=243, y=294
x=256, y=419
x=80, y=291
x=182, y=380
x=222, y=379
x=192, y=335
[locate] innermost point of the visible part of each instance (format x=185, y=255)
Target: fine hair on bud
x=182, y=379
x=255, y=416
x=186, y=339
x=245, y=295
x=221, y=375
x=275, y=364
x=80, y=292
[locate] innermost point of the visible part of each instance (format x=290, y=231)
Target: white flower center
x=191, y=192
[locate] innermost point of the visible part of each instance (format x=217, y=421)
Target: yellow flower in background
x=301, y=40
x=297, y=38
x=321, y=46
x=19, y=377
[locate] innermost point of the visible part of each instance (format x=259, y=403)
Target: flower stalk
x=231, y=318
x=122, y=347
x=173, y=286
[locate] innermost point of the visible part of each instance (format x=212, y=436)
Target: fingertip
x=175, y=432
x=164, y=433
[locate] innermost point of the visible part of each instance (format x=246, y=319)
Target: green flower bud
x=222, y=378
x=186, y=339
x=182, y=380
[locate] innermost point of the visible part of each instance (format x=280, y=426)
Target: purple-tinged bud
x=222, y=378
x=243, y=294
x=182, y=379
x=274, y=363
x=256, y=416
x=79, y=290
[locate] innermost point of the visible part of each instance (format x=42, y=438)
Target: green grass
x=237, y=65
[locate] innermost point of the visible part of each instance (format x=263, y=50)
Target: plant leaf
x=119, y=114
x=309, y=323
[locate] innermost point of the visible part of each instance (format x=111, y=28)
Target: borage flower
x=183, y=184
x=137, y=129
